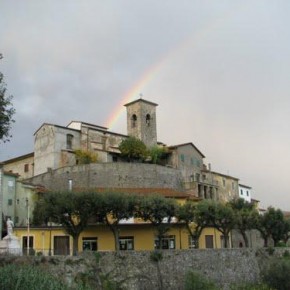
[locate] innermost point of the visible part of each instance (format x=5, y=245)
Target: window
x=9, y=201
x=24, y=245
x=167, y=242
x=69, y=141
x=17, y=201
x=209, y=241
x=148, y=118
x=191, y=242
x=224, y=182
x=90, y=244
x=134, y=121
x=182, y=157
x=126, y=243
x=233, y=185
x=26, y=167
x=10, y=186
x=241, y=192
x=247, y=193
x=197, y=177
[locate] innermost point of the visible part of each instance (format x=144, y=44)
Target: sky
x=219, y=71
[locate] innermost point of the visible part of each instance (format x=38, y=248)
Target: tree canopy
x=190, y=215
x=246, y=217
x=159, y=211
x=272, y=224
x=72, y=210
x=133, y=148
x=6, y=111
x=115, y=207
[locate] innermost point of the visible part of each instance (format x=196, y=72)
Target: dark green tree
x=157, y=153
x=189, y=214
x=6, y=111
x=133, y=149
x=218, y=215
x=246, y=217
x=272, y=224
x=115, y=207
x=159, y=211
x=72, y=210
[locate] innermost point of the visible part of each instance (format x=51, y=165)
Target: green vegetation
x=6, y=111
x=157, y=210
x=195, y=281
x=70, y=209
x=133, y=149
x=112, y=208
x=191, y=216
x=276, y=274
x=85, y=157
x=272, y=224
x=157, y=153
x=16, y=277
x=247, y=217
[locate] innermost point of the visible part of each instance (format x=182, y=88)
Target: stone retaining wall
x=133, y=270
x=114, y=175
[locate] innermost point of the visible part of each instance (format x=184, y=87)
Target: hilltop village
x=54, y=166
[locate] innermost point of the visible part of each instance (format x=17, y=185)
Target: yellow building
x=134, y=234
x=53, y=240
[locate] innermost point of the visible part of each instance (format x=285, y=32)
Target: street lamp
x=1, y=199
x=28, y=227
x=49, y=250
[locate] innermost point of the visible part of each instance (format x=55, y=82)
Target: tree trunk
x=75, y=245
x=226, y=239
x=246, y=240
x=116, y=238
x=265, y=242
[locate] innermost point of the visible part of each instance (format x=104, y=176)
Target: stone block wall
x=111, y=175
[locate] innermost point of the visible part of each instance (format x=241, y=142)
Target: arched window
x=69, y=141
x=133, y=121
x=148, y=118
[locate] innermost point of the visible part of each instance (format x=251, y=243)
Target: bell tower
x=141, y=121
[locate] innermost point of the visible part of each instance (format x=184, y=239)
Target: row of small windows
x=134, y=120
x=247, y=192
x=61, y=243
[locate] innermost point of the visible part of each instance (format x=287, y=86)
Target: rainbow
x=135, y=91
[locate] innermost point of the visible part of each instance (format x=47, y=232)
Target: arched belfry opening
x=148, y=119
x=141, y=121
x=133, y=121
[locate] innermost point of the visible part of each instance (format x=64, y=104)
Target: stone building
x=54, y=164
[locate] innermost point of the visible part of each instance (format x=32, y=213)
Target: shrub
x=249, y=286
x=85, y=157
x=277, y=274
x=195, y=281
x=14, y=277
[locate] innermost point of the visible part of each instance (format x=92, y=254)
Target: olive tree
x=6, y=111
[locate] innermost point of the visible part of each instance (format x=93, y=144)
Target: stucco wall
x=117, y=175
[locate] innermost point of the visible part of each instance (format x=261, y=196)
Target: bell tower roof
x=141, y=100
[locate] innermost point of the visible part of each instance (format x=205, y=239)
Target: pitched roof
x=141, y=100
x=186, y=144
x=18, y=158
